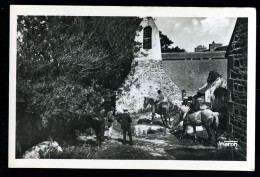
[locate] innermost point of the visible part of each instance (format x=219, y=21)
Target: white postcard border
x=248, y=165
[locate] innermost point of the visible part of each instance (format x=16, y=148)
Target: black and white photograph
x=113, y=86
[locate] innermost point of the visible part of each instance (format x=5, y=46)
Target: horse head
x=147, y=101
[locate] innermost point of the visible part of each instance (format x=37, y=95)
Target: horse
x=205, y=118
x=182, y=111
x=163, y=110
x=96, y=121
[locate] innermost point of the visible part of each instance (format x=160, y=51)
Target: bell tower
x=149, y=37
x=147, y=74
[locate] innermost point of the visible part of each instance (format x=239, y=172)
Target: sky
x=189, y=32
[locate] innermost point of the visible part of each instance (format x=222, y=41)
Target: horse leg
x=216, y=137
x=183, y=129
x=209, y=134
x=195, y=133
x=153, y=114
x=169, y=120
x=165, y=120
x=162, y=120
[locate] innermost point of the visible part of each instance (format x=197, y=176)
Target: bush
x=64, y=64
x=73, y=152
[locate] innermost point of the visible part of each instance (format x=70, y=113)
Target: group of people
x=106, y=114
x=125, y=119
x=107, y=121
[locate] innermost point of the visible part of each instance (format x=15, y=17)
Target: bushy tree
x=65, y=63
x=166, y=45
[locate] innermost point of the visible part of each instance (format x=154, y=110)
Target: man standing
x=100, y=113
x=125, y=120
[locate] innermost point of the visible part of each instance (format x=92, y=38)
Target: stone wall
x=190, y=75
x=144, y=79
x=237, y=84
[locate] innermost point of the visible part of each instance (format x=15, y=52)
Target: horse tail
x=214, y=122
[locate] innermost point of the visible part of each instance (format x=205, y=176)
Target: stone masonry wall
x=144, y=79
x=237, y=84
x=190, y=75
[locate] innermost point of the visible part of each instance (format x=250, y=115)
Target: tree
x=65, y=63
x=166, y=45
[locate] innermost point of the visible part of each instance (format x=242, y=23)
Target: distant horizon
x=190, y=32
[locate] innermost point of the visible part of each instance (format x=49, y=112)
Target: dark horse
x=163, y=110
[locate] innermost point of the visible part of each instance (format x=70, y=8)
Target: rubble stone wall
x=144, y=79
x=237, y=84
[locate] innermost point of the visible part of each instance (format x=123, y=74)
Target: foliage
x=112, y=152
x=72, y=152
x=166, y=45
x=65, y=64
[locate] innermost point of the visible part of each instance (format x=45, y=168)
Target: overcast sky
x=190, y=32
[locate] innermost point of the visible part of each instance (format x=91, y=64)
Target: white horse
x=205, y=118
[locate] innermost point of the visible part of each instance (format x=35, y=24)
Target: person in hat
x=100, y=114
x=194, y=107
x=125, y=120
x=159, y=99
x=195, y=104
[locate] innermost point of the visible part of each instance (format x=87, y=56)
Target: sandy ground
x=161, y=145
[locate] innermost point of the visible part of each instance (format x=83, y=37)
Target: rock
x=142, y=129
x=42, y=150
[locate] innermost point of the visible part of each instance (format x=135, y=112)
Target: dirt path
x=148, y=146
x=160, y=146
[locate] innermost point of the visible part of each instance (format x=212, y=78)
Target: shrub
x=73, y=152
x=64, y=64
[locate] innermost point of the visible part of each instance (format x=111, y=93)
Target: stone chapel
x=147, y=74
